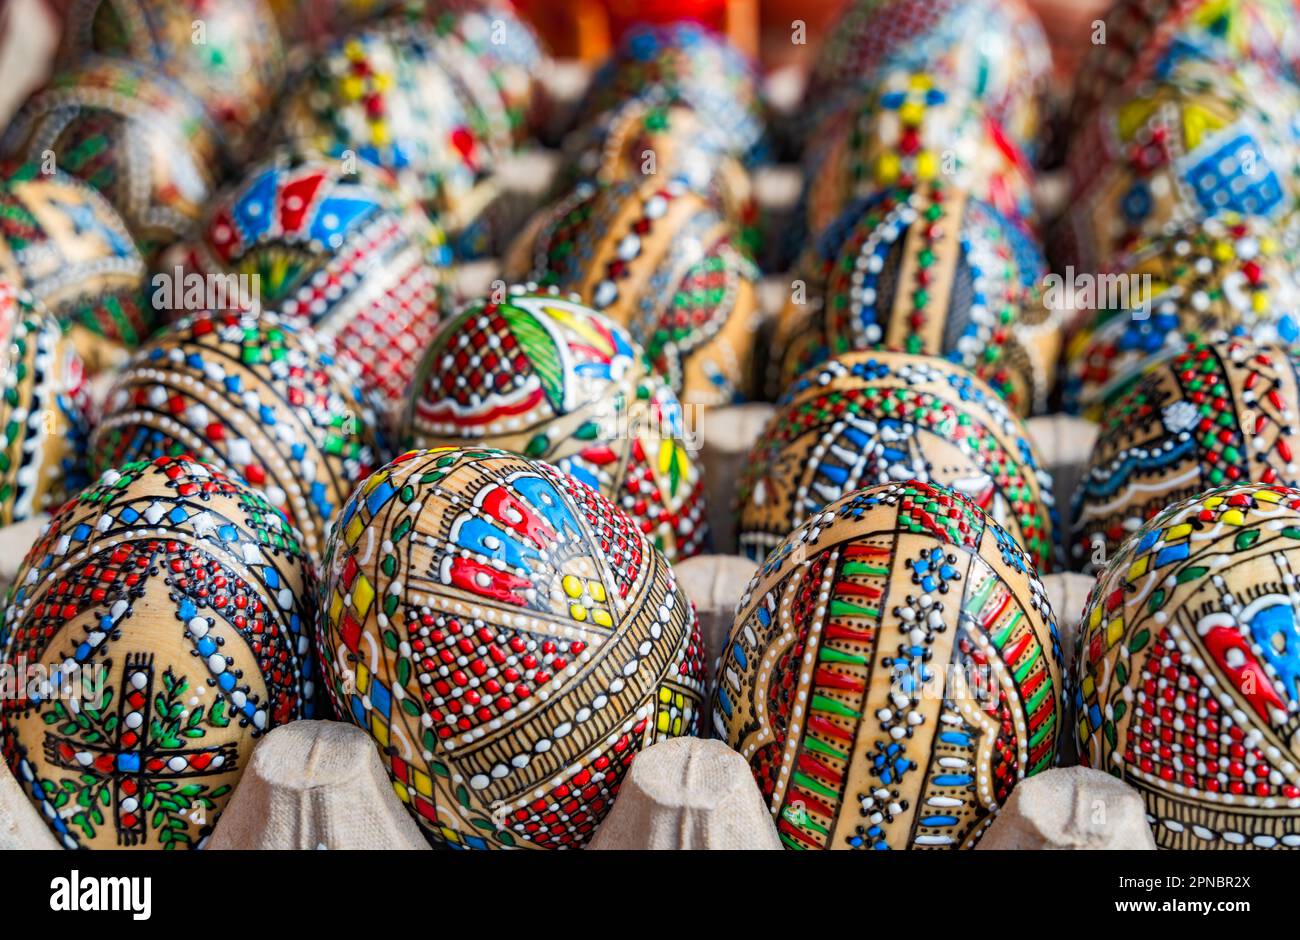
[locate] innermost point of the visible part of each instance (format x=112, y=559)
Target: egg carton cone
x=21, y=826
x=715, y=584
x=316, y=785
x=725, y=436
x=1071, y=808
x=688, y=793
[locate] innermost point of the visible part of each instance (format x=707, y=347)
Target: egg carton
x=320, y=784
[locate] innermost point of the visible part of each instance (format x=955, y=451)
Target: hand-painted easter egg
x=1224, y=275
x=384, y=94
x=43, y=404
x=1198, y=144
x=509, y=638
x=870, y=418
x=662, y=261
x=685, y=63
x=893, y=671
x=930, y=271
x=63, y=242
x=995, y=48
x=331, y=243
x=496, y=57
x=645, y=137
x=1215, y=414
x=909, y=129
x=170, y=609
x=1141, y=39
x=255, y=398
x=134, y=134
x=549, y=378
x=1188, y=670
x=228, y=54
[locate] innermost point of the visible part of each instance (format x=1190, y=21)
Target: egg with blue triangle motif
x=161, y=624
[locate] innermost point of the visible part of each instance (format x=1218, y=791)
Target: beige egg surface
x=228, y=54
x=324, y=240
x=1187, y=681
x=543, y=375
x=1216, y=414
x=166, y=615
x=894, y=670
x=132, y=132
x=929, y=270
x=661, y=260
x=44, y=404
x=68, y=247
x=870, y=418
x=262, y=399
x=510, y=640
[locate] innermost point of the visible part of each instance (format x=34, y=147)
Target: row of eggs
x=376, y=689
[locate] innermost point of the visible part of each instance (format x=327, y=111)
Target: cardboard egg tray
x=320, y=784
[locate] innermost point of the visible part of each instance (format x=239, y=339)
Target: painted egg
x=684, y=63
x=642, y=138
x=1200, y=144
x=63, y=242
x=495, y=56
x=1215, y=414
x=131, y=132
x=893, y=671
x=995, y=46
x=227, y=54
x=255, y=398
x=662, y=261
x=909, y=129
x=170, y=610
x=327, y=242
x=870, y=418
x=930, y=271
x=43, y=404
x=1227, y=274
x=1188, y=684
x=571, y=645
x=1146, y=38
x=551, y=379
x=385, y=94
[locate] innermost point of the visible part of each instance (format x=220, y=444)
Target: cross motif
x=134, y=759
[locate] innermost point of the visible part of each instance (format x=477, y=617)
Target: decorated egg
x=1227, y=274
x=135, y=135
x=1145, y=38
x=384, y=94
x=1187, y=670
x=62, y=241
x=684, y=63
x=1214, y=414
x=996, y=48
x=43, y=404
x=549, y=378
x=327, y=242
x=511, y=641
x=167, y=611
x=1199, y=144
x=255, y=398
x=228, y=54
x=641, y=138
x=909, y=129
x=496, y=57
x=662, y=261
x=870, y=418
x=893, y=672
x=930, y=271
